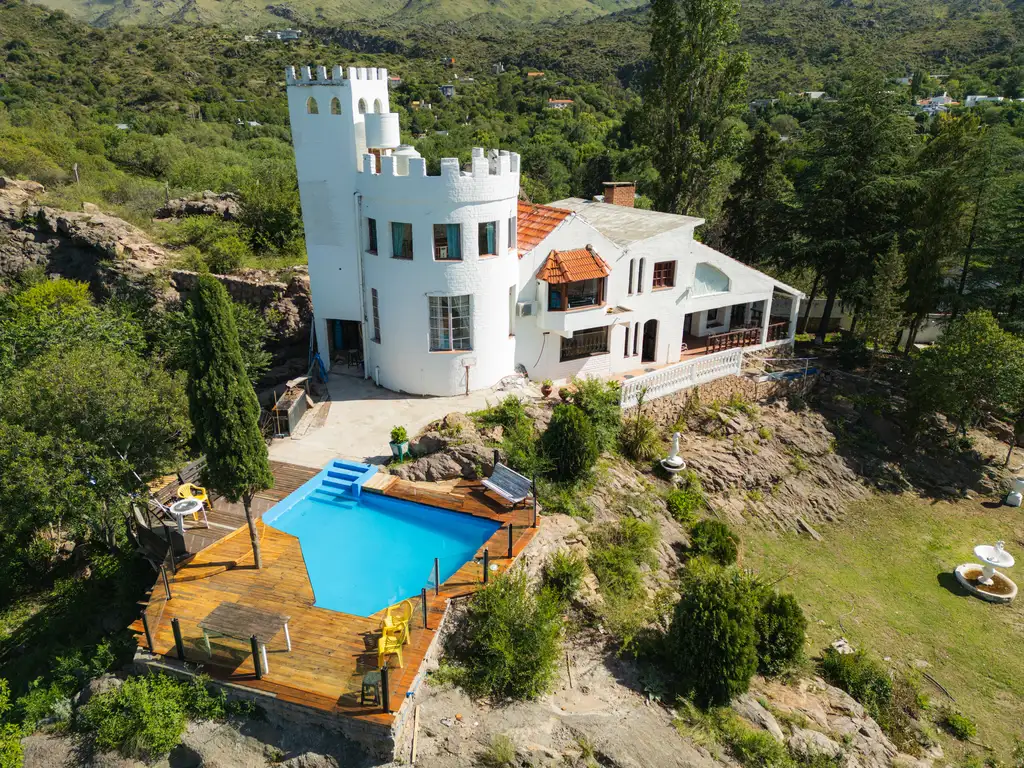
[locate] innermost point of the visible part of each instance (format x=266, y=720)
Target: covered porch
x=760, y=323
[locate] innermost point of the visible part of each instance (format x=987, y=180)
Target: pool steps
x=338, y=483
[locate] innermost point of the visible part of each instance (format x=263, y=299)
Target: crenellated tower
x=363, y=193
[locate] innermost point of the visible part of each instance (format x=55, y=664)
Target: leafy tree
x=881, y=321
x=270, y=204
x=715, y=540
x=690, y=99
x=974, y=368
x=851, y=185
x=712, y=641
x=570, y=443
x=756, y=209
x=223, y=405
x=10, y=734
x=781, y=628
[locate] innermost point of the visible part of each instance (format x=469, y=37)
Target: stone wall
x=665, y=410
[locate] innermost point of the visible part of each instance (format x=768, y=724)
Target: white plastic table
x=181, y=509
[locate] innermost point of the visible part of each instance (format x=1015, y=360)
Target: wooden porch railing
x=744, y=337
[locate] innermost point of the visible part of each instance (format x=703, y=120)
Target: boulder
x=747, y=707
x=224, y=205
x=810, y=744
x=310, y=760
x=95, y=687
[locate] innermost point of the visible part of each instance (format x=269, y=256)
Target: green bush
x=861, y=676
x=501, y=753
x=639, y=438
x=564, y=499
x=755, y=748
x=959, y=726
x=599, y=399
x=712, y=640
x=10, y=733
x=570, y=443
x=508, y=413
x=714, y=540
x=511, y=642
x=142, y=719
x=684, y=502
x=617, y=552
x=227, y=255
x=399, y=435
x=563, y=574
x=781, y=628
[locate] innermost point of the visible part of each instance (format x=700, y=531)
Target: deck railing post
x=437, y=576
x=167, y=584
x=179, y=644
x=385, y=694
x=534, y=490
x=423, y=601
x=255, y=644
x=510, y=539
x=149, y=635
x=487, y=564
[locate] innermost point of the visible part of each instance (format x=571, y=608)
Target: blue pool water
x=365, y=552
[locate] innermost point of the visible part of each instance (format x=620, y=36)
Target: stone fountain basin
x=998, y=558
x=1002, y=589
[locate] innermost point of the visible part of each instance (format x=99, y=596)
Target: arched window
x=636, y=339
x=625, y=350
x=640, y=276
x=632, y=266
x=377, y=108
x=362, y=106
x=335, y=106
x=311, y=107
x=709, y=279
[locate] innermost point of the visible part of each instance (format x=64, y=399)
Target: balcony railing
x=688, y=373
x=744, y=337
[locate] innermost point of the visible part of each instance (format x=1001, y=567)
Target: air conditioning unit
x=525, y=308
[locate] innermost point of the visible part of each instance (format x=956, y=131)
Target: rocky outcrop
x=224, y=205
x=448, y=449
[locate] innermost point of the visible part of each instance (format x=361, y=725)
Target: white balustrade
x=688, y=373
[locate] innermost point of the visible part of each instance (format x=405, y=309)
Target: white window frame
x=444, y=335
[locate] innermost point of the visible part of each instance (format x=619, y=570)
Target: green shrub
x=715, y=540
x=755, y=748
x=570, y=443
x=511, y=642
x=959, y=726
x=10, y=733
x=399, y=435
x=639, y=438
x=599, y=399
x=519, y=444
x=861, y=676
x=227, y=254
x=617, y=552
x=781, y=628
x=563, y=574
x=501, y=753
x=564, y=499
x=684, y=502
x=712, y=641
x=508, y=413
x=142, y=719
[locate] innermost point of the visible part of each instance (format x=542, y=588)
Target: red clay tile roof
x=535, y=222
x=570, y=266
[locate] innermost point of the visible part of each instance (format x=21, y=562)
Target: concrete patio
x=360, y=417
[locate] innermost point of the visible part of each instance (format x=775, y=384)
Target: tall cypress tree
x=223, y=405
x=694, y=87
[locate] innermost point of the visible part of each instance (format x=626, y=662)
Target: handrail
x=682, y=375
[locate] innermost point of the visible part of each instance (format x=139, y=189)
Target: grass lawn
x=886, y=573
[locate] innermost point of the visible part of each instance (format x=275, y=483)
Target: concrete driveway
x=361, y=415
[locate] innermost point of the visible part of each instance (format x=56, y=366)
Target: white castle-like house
x=448, y=283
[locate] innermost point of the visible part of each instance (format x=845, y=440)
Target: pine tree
x=883, y=317
x=696, y=81
x=223, y=405
x=758, y=201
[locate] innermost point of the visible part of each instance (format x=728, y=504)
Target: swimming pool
x=364, y=551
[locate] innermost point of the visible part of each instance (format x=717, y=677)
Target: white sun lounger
x=508, y=484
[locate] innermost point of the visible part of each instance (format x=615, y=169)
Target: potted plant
x=565, y=393
x=546, y=386
x=399, y=442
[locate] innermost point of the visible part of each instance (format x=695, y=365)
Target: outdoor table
x=181, y=509
x=241, y=622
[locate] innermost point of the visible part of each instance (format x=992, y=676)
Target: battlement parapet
x=307, y=75
x=492, y=176
x=483, y=165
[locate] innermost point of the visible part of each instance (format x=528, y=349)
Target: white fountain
x=1016, y=494
x=985, y=581
x=674, y=463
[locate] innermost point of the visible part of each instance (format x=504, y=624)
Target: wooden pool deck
x=331, y=651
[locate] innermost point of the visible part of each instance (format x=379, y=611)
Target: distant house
x=813, y=95
x=936, y=104
x=121, y=126
x=535, y=74
x=421, y=105
x=974, y=100
x=394, y=81
x=448, y=61
x=905, y=80
x=448, y=90
x=759, y=104
x=498, y=68
x=559, y=103
x=282, y=34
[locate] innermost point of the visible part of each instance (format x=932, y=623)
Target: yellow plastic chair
x=190, y=491
x=391, y=642
x=396, y=619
